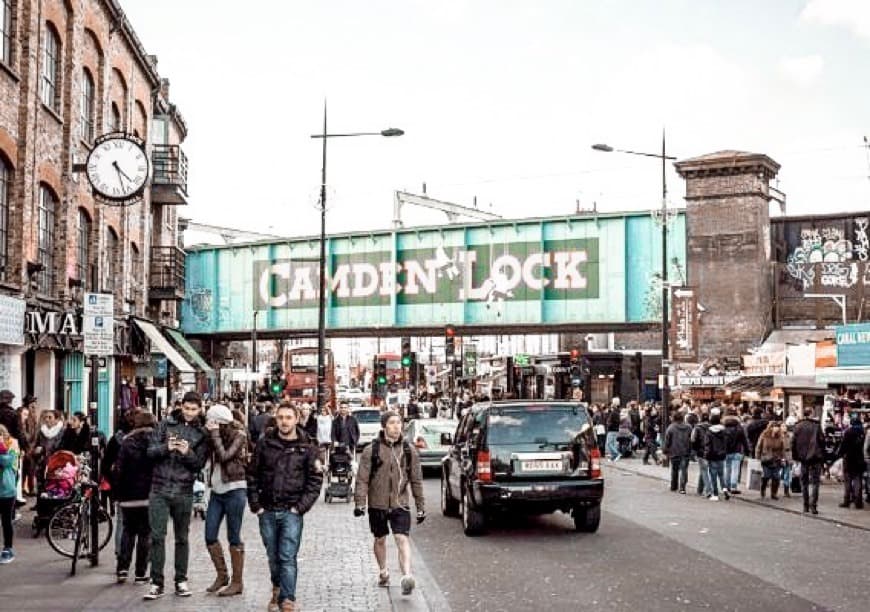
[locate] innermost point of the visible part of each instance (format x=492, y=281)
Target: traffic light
x=276, y=378
x=406, y=351
x=449, y=342
x=575, y=355
x=381, y=371
x=457, y=370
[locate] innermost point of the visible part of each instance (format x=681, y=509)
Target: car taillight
x=595, y=463
x=484, y=469
x=420, y=443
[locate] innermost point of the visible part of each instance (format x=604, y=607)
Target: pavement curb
x=754, y=502
x=426, y=596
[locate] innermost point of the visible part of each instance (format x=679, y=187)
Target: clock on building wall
x=118, y=168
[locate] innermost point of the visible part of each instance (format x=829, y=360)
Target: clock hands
x=121, y=173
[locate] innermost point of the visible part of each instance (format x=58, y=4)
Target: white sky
x=502, y=99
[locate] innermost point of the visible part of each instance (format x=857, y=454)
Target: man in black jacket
x=283, y=483
x=714, y=453
x=755, y=428
x=178, y=450
x=345, y=429
x=677, y=448
x=808, y=448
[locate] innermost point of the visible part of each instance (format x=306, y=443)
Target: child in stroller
x=340, y=477
x=61, y=471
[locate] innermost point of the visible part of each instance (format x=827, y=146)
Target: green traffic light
x=382, y=380
x=276, y=388
x=406, y=361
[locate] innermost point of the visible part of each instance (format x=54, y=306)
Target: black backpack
x=376, y=458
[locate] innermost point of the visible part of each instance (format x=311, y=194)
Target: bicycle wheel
x=62, y=529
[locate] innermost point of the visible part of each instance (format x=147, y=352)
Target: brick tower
x=728, y=247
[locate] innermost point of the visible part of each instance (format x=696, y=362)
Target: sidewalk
x=830, y=494
x=337, y=572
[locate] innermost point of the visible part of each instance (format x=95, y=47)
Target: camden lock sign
x=569, y=269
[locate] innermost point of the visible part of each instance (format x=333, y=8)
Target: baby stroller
x=625, y=443
x=199, y=496
x=339, y=479
x=57, y=489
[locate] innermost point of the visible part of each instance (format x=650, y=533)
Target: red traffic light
x=575, y=353
x=450, y=331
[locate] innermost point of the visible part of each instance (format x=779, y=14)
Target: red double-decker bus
x=300, y=371
x=394, y=373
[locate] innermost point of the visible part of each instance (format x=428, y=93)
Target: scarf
x=51, y=432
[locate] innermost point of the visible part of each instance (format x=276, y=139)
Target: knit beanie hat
x=220, y=414
x=386, y=417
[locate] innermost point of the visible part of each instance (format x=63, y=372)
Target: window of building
x=83, y=263
x=5, y=188
x=135, y=274
x=86, y=106
x=111, y=264
x=115, y=123
x=6, y=32
x=45, y=235
x=51, y=68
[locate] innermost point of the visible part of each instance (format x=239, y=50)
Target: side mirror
x=446, y=439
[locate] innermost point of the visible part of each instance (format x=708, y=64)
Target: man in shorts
x=388, y=466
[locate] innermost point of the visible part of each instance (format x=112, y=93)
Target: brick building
x=70, y=71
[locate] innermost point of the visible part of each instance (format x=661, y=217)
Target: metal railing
x=170, y=166
x=166, y=275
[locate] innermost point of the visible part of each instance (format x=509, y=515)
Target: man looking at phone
x=178, y=449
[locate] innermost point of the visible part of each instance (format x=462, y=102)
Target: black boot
x=764, y=487
x=774, y=489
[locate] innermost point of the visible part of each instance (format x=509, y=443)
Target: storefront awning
x=159, y=344
x=843, y=376
x=791, y=382
x=190, y=352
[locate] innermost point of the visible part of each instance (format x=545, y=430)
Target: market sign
x=684, y=325
x=686, y=380
x=764, y=363
x=538, y=272
x=853, y=344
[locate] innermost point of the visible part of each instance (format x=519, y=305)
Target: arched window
x=83, y=263
x=7, y=34
x=5, y=188
x=45, y=239
x=111, y=263
x=51, y=68
x=86, y=106
x=115, y=120
x=135, y=275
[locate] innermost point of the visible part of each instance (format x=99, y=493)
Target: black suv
x=523, y=456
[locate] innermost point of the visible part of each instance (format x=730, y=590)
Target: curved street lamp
x=321, y=302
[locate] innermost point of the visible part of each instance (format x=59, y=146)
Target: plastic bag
x=837, y=470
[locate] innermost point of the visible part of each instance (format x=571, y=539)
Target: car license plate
x=542, y=465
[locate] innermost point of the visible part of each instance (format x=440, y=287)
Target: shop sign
x=684, y=325
x=99, y=324
x=12, y=320
x=764, y=363
x=853, y=344
x=40, y=323
x=705, y=381
x=521, y=359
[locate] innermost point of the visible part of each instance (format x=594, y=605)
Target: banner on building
x=12, y=320
x=853, y=344
x=826, y=354
x=684, y=325
x=764, y=363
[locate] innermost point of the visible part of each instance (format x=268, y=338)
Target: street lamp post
x=321, y=301
x=665, y=289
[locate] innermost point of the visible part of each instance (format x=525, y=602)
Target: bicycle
x=69, y=529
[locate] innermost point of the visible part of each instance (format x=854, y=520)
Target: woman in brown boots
x=227, y=479
x=771, y=451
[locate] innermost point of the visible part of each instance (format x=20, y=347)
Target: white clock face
x=117, y=168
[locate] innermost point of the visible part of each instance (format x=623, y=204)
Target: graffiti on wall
x=831, y=254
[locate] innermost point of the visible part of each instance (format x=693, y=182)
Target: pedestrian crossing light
x=381, y=371
x=406, y=352
x=276, y=387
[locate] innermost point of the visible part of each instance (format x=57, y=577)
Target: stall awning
x=754, y=384
x=843, y=376
x=190, y=352
x=159, y=344
x=797, y=381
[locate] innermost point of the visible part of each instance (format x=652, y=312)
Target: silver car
x=425, y=435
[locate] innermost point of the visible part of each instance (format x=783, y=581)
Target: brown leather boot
x=289, y=606
x=237, y=560
x=216, y=552
x=273, y=603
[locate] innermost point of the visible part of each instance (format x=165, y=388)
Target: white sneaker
x=408, y=585
x=714, y=498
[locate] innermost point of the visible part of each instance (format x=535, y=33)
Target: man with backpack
x=387, y=467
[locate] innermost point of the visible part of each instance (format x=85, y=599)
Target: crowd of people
x=722, y=437
x=272, y=463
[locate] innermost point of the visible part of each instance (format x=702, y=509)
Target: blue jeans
x=281, y=531
x=703, y=477
x=732, y=469
x=786, y=476
x=611, y=445
x=230, y=504
x=717, y=475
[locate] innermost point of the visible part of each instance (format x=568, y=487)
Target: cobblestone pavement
x=336, y=573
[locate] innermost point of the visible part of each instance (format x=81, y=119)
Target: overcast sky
x=501, y=99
